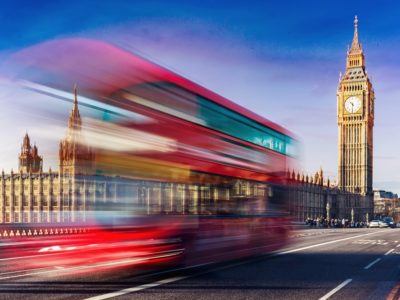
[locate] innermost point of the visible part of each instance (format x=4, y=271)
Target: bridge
x=318, y=264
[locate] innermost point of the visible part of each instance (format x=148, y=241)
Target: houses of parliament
x=72, y=193
x=32, y=195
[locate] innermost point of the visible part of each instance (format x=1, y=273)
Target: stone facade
x=48, y=197
x=72, y=193
x=386, y=204
x=29, y=159
x=314, y=197
x=34, y=196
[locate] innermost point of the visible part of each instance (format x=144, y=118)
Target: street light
x=328, y=212
x=352, y=215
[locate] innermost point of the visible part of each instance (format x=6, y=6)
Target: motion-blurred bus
x=194, y=174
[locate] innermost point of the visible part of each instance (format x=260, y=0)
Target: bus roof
x=101, y=68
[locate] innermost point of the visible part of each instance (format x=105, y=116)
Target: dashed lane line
x=336, y=289
x=174, y=279
x=371, y=264
x=390, y=251
x=137, y=288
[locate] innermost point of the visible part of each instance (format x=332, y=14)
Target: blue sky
x=278, y=58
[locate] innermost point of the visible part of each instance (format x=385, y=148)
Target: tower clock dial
x=352, y=104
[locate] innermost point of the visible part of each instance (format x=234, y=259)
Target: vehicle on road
x=202, y=174
x=383, y=224
x=389, y=221
x=374, y=224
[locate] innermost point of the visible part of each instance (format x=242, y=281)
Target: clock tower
x=355, y=113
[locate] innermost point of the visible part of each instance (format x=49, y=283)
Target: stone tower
x=29, y=159
x=75, y=157
x=355, y=113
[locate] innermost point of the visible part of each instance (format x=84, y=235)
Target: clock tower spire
x=355, y=55
x=355, y=105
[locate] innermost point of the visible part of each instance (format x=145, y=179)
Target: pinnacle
x=355, y=45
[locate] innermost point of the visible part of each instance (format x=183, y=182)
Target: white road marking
x=174, y=279
x=390, y=251
x=340, y=286
x=137, y=288
x=371, y=264
x=323, y=244
x=371, y=242
x=398, y=245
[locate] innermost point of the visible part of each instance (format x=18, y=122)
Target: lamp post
x=352, y=215
x=328, y=212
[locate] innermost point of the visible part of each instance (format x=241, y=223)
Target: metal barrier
x=40, y=231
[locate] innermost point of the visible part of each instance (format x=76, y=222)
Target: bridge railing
x=13, y=231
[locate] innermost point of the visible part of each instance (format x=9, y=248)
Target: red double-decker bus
x=193, y=168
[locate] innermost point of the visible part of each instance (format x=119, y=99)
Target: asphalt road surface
x=318, y=264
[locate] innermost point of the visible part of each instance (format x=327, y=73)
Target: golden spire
x=355, y=55
x=355, y=45
x=75, y=118
x=75, y=97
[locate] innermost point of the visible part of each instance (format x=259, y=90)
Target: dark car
x=389, y=221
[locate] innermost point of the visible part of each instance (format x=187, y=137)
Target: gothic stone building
x=314, y=197
x=32, y=195
x=355, y=105
x=70, y=194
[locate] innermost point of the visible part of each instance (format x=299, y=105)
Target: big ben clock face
x=352, y=104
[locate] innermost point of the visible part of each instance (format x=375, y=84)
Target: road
x=318, y=264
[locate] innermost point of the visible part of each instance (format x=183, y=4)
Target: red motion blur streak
x=217, y=239
x=103, y=69
x=97, y=250
x=205, y=150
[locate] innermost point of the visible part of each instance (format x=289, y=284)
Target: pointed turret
x=75, y=157
x=26, y=144
x=29, y=159
x=321, y=176
x=355, y=45
x=35, y=150
x=355, y=55
x=75, y=122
